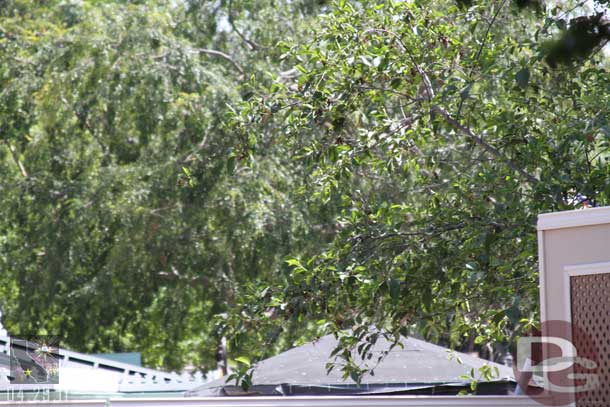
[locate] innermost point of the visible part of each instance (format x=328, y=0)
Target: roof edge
x=574, y=218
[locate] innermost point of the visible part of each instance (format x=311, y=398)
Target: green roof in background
x=132, y=358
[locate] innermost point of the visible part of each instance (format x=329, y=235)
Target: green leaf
x=394, y=286
x=293, y=262
x=231, y=165
x=523, y=77
x=466, y=91
x=243, y=360
x=499, y=316
x=561, y=23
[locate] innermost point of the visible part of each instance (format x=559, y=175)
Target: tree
x=163, y=159
x=129, y=220
x=444, y=128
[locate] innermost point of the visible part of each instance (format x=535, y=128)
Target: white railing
x=128, y=378
x=145, y=383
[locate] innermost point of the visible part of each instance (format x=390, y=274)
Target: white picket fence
x=338, y=401
x=117, y=376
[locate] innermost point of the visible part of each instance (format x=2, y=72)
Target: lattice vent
x=591, y=313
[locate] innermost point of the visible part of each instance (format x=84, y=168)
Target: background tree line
x=175, y=173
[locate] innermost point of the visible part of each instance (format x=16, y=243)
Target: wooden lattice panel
x=590, y=296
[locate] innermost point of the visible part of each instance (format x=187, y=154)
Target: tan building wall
x=574, y=255
x=571, y=242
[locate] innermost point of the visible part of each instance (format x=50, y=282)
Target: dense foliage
x=128, y=221
x=268, y=171
x=444, y=129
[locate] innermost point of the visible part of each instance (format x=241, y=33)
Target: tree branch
x=17, y=161
x=176, y=276
x=253, y=45
x=491, y=23
x=191, y=155
x=478, y=140
x=480, y=51
x=403, y=48
x=221, y=54
x=453, y=122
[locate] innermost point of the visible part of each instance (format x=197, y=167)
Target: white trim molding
x=324, y=401
x=587, y=269
x=575, y=218
x=541, y=276
x=334, y=401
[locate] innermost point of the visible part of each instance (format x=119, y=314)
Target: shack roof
x=416, y=366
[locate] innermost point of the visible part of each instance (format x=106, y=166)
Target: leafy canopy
x=444, y=129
